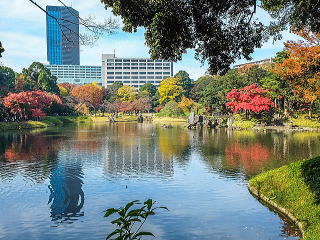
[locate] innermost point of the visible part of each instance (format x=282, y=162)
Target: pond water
x=56, y=183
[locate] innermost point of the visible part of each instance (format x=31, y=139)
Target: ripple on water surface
x=56, y=184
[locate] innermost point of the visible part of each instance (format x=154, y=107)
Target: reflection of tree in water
x=175, y=142
x=250, y=157
x=30, y=154
x=66, y=194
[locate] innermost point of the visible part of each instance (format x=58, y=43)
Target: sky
x=23, y=35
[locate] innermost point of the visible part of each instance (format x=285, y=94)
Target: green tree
x=199, y=85
x=219, y=31
x=170, y=89
x=150, y=88
x=111, y=93
x=171, y=109
x=38, y=77
x=185, y=82
x=1, y=49
x=7, y=80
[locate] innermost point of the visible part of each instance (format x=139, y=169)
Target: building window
x=142, y=77
x=134, y=72
x=150, y=67
x=134, y=64
x=134, y=60
x=110, y=60
x=126, y=67
x=150, y=73
x=118, y=67
x=126, y=77
x=158, y=67
x=110, y=73
x=118, y=77
x=110, y=67
x=118, y=60
x=142, y=68
x=110, y=77
x=166, y=73
x=134, y=67
x=142, y=73
x=134, y=77
x=158, y=73
x=118, y=64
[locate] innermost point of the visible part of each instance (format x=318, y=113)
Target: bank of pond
x=294, y=190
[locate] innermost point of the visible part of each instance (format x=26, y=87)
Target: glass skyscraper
x=63, y=37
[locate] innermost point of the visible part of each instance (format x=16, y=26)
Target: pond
x=55, y=183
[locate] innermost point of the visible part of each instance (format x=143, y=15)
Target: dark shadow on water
x=311, y=174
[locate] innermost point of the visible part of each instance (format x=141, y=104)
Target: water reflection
x=133, y=150
x=72, y=175
x=66, y=194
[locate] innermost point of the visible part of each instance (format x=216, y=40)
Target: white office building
x=76, y=74
x=134, y=71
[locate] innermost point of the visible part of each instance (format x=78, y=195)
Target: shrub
x=171, y=109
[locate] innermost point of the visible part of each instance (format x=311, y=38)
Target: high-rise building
x=76, y=74
x=63, y=35
x=134, y=71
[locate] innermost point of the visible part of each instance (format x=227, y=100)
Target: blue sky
x=23, y=35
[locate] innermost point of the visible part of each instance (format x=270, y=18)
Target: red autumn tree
x=88, y=93
x=250, y=98
x=29, y=104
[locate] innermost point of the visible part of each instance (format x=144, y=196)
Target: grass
x=296, y=188
x=302, y=121
x=45, y=122
x=169, y=120
x=241, y=123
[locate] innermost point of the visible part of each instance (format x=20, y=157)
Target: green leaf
x=149, y=203
x=129, y=205
x=110, y=211
x=113, y=233
x=144, y=234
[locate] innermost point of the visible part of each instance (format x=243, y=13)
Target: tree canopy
x=7, y=80
x=38, y=77
x=219, y=31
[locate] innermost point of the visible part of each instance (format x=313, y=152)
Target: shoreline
x=273, y=205
x=49, y=121
x=292, y=190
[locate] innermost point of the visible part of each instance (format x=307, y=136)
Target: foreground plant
x=131, y=220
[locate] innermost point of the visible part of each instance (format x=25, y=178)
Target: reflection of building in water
x=67, y=196
x=136, y=159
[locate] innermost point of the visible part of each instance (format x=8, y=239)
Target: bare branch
x=96, y=29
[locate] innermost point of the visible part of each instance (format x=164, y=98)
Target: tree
x=186, y=105
x=7, y=80
x=30, y=104
x=249, y=99
x=219, y=31
x=127, y=93
x=170, y=89
x=199, y=85
x=150, y=88
x=142, y=105
x=185, y=82
x=1, y=49
x=88, y=93
x=38, y=77
x=111, y=93
x=301, y=69
x=171, y=109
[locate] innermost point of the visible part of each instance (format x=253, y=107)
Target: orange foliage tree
x=302, y=68
x=88, y=93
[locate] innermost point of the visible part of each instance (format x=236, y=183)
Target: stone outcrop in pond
x=199, y=121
